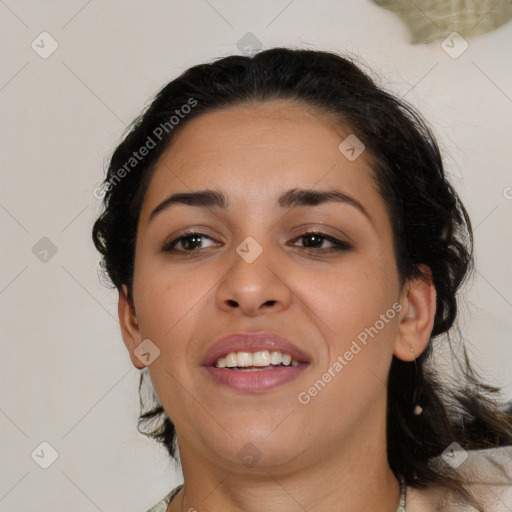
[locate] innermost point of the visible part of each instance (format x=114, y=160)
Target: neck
x=356, y=477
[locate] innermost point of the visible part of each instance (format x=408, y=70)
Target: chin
x=260, y=447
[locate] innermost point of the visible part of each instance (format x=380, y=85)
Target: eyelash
x=338, y=244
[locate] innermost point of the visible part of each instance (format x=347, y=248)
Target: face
x=319, y=274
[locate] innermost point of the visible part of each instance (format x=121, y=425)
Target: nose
x=254, y=288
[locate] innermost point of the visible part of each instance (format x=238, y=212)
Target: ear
x=418, y=300
x=130, y=329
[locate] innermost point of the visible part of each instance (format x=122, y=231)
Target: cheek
x=349, y=298
x=354, y=307
x=170, y=306
x=167, y=300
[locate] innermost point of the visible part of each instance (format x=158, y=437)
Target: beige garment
x=162, y=505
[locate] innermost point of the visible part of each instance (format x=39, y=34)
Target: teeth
x=231, y=360
x=287, y=359
x=259, y=359
x=244, y=359
x=276, y=357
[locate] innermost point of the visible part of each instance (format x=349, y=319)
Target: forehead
x=254, y=151
x=239, y=132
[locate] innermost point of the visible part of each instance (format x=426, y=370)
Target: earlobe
x=130, y=329
x=417, y=319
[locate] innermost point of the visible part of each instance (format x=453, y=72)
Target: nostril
x=233, y=303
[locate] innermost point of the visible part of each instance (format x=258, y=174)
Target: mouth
x=254, y=362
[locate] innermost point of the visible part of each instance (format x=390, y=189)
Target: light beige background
x=66, y=378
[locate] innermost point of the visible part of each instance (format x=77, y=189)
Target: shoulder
x=492, y=466
x=486, y=474
x=162, y=505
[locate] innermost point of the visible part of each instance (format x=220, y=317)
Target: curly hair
x=430, y=227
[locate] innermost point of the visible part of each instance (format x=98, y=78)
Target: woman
x=287, y=252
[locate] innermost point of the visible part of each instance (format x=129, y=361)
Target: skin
x=328, y=454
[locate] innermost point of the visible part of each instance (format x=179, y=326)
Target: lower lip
x=255, y=381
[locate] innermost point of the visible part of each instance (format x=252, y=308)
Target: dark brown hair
x=430, y=226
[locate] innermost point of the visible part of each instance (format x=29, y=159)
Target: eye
x=315, y=240
x=188, y=242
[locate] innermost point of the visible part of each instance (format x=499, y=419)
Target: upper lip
x=253, y=342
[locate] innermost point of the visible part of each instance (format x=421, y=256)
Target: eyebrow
x=291, y=199
x=201, y=198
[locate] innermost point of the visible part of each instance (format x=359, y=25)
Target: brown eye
x=315, y=240
x=186, y=243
